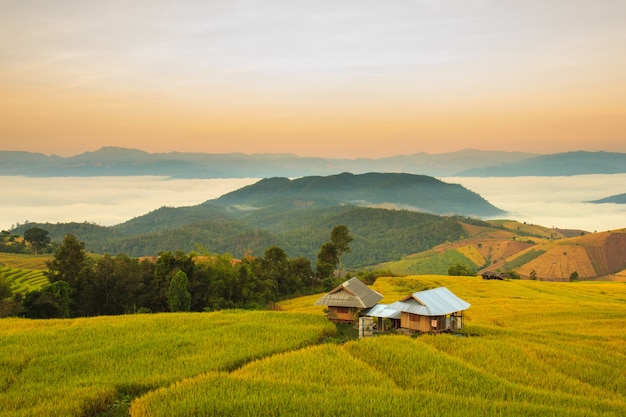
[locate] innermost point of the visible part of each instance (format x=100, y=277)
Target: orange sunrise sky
x=367, y=78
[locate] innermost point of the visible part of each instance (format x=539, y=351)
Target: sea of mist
x=548, y=201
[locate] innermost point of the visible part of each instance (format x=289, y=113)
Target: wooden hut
x=436, y=310
x=346, y=301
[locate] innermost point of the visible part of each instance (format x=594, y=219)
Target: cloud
x=102, y=200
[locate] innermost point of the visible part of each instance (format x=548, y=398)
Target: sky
x=332, y=78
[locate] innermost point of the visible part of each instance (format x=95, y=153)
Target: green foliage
x=176, y=281
x=178, y=295
x=459, y=269
x=52, y=301
x=37, y=237
x=380, y=235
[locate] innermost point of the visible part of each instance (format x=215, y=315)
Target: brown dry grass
x=560, y=262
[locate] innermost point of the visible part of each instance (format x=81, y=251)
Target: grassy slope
x=524, y=248
x=535, y=348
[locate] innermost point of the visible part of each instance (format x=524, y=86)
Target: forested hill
x=399, y=191
x=297, y=215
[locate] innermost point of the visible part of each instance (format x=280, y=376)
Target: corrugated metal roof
x=383, y=310
x=351, y=293
x=436, y=302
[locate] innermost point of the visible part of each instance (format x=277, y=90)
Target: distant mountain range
x=615, y=199
x=116, y=161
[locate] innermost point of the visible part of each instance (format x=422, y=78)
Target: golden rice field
x=529, y=348
x=80, y=367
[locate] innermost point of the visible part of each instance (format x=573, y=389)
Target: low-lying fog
x=548, y=201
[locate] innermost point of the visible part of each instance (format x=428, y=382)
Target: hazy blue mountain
x=399, y=191
x=569, y=163
x=121, y=161
x=616, y=199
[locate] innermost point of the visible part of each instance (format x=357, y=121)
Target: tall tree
x=178, y=295
x=326, y=263
x=37, y=238
x=340, y=237
x=70, y=264
x=274, y=269
x=69, y=261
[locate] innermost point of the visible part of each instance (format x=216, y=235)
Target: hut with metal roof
x=346, y=301
x=435, y=310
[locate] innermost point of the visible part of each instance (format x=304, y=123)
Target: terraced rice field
x=22, y=280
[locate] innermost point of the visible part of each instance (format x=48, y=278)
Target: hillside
x=530, y=251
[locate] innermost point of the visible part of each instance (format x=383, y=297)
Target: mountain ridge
x=122, y=161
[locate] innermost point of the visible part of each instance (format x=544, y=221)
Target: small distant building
x=430, y=311
x=348, y=300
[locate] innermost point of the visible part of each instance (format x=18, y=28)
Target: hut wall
x=341, y=313
x=415, y=322
x=430, y=324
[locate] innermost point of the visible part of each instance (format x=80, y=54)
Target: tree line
x=82, y=285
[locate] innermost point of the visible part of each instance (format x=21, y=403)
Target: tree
x=340, y=237
x=274, y=269
x=178, y=295
x=461, y=270
x=9, y=305
x=71, y=265
x=326, y=263
x=69, y=261
x=52, y=301
x=37, y=238
x=165, y=268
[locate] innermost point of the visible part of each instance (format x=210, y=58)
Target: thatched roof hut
x=346, y=301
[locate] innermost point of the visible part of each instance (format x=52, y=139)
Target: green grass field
x=529, y=348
